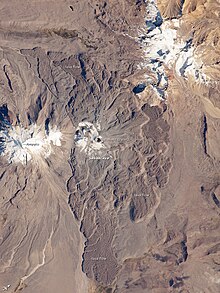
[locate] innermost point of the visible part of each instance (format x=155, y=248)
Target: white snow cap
x=21, y=144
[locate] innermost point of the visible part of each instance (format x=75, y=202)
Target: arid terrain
x=110, y=146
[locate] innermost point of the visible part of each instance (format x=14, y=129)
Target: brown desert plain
x=110, y=146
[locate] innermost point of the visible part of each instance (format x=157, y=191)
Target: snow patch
x=163, y=49
x=87, y=138
x=187, y=65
